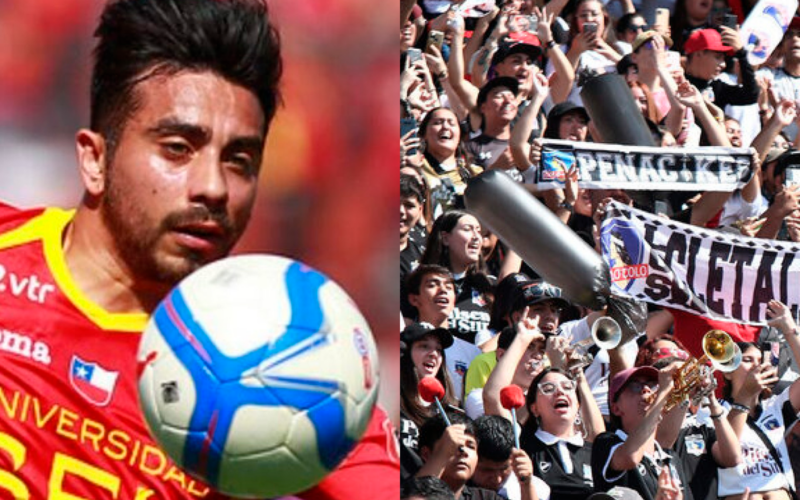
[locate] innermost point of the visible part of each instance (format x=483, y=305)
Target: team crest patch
x=545, y=467
x=461, y=368
x=771, y=424
x=642, y=469
x=695, y=445
x=92, y=381
x=624, y=251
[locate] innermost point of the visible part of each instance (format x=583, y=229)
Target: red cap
x=430, y=389
x=512, y=397
x=525, y=37
x=621, y=378
x=707, y=39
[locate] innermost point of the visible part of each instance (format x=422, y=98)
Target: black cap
x=563, y=108
x=787, y=158
x=417, y=331
x=510, y=48
x=501, y=81
x=535, y=292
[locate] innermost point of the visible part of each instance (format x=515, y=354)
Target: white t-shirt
x=473, y=404
x=736, y=208
x=458, y=357
x=758, y=470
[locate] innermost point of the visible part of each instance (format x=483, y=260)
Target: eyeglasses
x=637, y=386
x=635, y=28
x=666, y=352
x=548, y=388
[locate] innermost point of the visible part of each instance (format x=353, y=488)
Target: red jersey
x=70, y=424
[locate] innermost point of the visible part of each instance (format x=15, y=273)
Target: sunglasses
x=548, y=388
x=666, y=352
x=637, y=386
x=635, y=28
x=536, y=290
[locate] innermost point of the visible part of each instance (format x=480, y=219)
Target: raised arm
x=781, y=318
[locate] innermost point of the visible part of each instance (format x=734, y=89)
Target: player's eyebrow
x=175, y=126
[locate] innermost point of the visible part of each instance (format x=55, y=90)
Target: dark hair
x=409, y=395
x=530, y=398
x=646, y=351
x=495, y=436
x=573, y=23
x=504, y=295
x=142, y=38
x=427, y=487
x=411, y=188
x=624, y=22
x=460, y=152
x=435, y=250
x=414, y=279
x=433, y=428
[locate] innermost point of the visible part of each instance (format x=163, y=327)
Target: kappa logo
x=545, y=467
x=624, y=251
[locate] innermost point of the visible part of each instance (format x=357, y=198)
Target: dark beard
x=136, y=237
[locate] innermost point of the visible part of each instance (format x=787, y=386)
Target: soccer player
x=183, y=92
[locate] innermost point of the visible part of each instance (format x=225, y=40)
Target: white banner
x=699, y=270
x=613, y=166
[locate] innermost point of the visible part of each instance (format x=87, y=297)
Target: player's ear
x=92, y=157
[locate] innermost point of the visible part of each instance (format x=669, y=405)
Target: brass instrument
x=606, y=334
x=693, y=380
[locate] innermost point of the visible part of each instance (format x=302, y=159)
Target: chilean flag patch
x=92, y=381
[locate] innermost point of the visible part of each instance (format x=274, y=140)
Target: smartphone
x=524, y=23
x=413, y=55
x=729, y=20
x=792, y=175
x=771, y=352
x=435, y=38
x=662, y=17
x=673, y=60
x=590, y=27
x=407, y=124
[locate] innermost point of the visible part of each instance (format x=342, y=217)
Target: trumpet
x=606, y=334
x=723, y=355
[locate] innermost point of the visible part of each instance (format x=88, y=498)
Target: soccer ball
x=258, y=374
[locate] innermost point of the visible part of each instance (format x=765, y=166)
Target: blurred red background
x=329, y=187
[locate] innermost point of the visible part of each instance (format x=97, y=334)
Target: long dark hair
x=460, y=152
x=409, y=402
x=141, y=38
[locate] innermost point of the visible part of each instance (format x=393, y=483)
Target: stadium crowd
x=495, y=87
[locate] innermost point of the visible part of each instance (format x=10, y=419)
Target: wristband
x=717, y=416
x=742, y=408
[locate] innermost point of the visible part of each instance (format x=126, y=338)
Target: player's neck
x=99, y=271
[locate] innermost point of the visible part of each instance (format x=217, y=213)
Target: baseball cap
x=563, y=108
x=534, y=292
x=527, y=45
x=417, y=331
x=500, y=81
x=645, y=36
x=620, y=379
x=617, y=493
x=773, y=154
x=707, y=39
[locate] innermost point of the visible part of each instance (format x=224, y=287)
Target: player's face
x=182, y=181
x=751, y=360
x=426, y=354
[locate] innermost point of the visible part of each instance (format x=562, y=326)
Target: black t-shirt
x=409, y=258
x=547, y=465
x=472, y=311
x=693, y=449
x=643, y=478
x=475, y=493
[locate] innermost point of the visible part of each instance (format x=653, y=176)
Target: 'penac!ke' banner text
x=613, y=166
